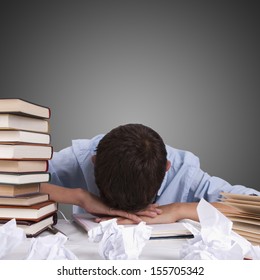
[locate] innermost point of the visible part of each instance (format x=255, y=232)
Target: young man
x=129, y=172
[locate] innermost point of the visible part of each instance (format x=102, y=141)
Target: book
x=20, y=166
x=20, y=136
x=20, y=106
x=34, y=212
x=242, y=202
x=24, y=200
x=249, y=231
x=33, y=229
x=24, y=178
x=25, y=151
x=11, y=190
x=172, y=230
x=244, y=214
x=9, y=121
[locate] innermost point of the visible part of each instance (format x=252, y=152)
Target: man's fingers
x=134, y=218
x=150, y=211
x=120, y=220
x=125, y=214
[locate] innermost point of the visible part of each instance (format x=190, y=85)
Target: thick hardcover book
x=20, y=106
x=11, y=190
x=20, y=166
x=24, y=200
x=33, y=229
x=35, y=212
x=20, y=136
x=24, y=178
x=25, y=151
x=9, y=121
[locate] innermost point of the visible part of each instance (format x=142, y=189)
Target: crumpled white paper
x=117, y=242
x=50, y=247
x=216, y=240
x=10, y=236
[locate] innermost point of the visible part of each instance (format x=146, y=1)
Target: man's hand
x=123, y=217
x=94, y=205
x=153, y=214
x=152, y=210
x=170, y=213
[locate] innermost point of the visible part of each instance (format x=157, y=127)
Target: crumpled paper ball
x=50, y=247
x=10, y=237
x=117, y=242
x=216, y=240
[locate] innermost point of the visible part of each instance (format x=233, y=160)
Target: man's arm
x=183, y=210
x=90, y=202
x=61, y=194
x=174, y=212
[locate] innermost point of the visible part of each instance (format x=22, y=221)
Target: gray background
x=188, y=69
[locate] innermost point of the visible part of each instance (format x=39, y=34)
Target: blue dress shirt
x=184, y=182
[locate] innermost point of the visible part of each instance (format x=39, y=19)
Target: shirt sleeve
x=211, y=187
x=185, y=181
x=65, y=170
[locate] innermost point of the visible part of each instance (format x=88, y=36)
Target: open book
x=245, y=215
x=173, y=230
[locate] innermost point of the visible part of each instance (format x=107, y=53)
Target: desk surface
x=78, y=243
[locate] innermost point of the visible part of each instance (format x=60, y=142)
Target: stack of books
x=245, y=215
x=25, y=148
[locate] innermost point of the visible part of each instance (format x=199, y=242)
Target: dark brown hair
x=130, y=166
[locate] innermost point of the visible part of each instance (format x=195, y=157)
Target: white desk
x=163, y=249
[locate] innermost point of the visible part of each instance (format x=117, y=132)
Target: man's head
x=130, y=165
